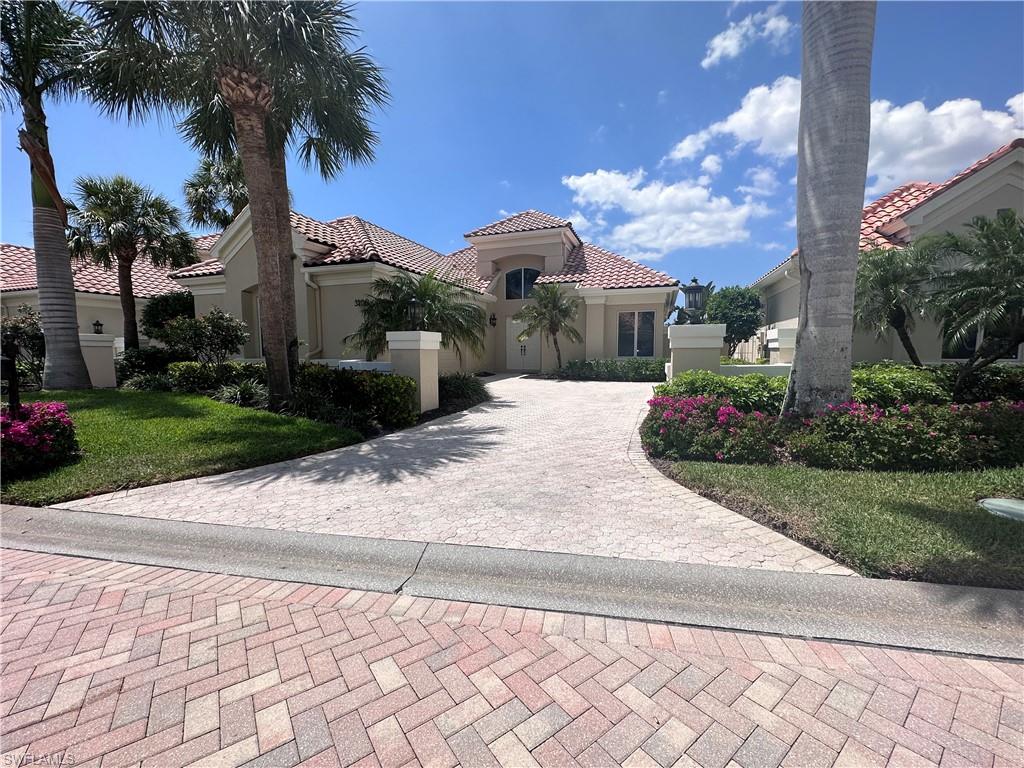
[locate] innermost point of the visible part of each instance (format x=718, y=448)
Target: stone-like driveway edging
x=548, y=465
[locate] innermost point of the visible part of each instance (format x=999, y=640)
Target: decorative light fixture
x=97, y=327
x=695, y=296
x=415, y=314
x=493, y=320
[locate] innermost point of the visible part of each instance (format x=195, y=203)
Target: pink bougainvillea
x=39, y=436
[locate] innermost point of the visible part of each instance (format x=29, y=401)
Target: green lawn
x=130, y=439
x=903, y=525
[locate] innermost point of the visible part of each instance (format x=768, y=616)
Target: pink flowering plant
x=38, y=437
x=708, y=428
x=919, y=437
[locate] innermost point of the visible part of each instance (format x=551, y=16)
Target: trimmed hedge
x=750, y=392
x=192, y=377
x=136, y=362
x=361, y=399
x=626, y=369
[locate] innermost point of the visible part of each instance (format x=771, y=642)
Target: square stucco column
x=696, y=347
x=414, y=354
x=595, y=327
x=781, y=344
x=98, y=351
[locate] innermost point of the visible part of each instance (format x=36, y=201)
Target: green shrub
x=458, y=391
x=24, y=330
x=627, y=369
x=723, y=360
x=921, y=437
x=160, y=310
x=36, y=437
x=710, y=429
x=891, y=385
x=211, y=338
x=360, y=399
x=248, y=393
x=134, y=362
x=993, y=382
x=152, y=382
x=750, y=392
x=191, y=376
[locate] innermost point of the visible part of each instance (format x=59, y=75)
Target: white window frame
x=636, y=334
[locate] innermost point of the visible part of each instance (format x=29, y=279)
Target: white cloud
x=773, y=246
x=588, y=226
x=763, y=181
x=660, y=217
x=663, y=96
x=908, y=142
x=711, y=165
x=505, y=183
x=766, y=25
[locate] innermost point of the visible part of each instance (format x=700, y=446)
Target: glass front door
x=636, y=334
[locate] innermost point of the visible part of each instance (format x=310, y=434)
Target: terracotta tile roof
x=206, y=242
x=461, y=268
x=901, y=201
x=594, y=267
x=18, y=273
x=202, y=269
x=527, y=221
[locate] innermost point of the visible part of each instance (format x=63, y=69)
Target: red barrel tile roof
x=526, y=221
x=901, y=201
x=18, y=273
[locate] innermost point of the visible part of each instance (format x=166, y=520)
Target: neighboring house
x=994, y=183
x=623, y=304
x=97, y=296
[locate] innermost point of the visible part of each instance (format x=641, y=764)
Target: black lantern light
x=695, y=293
x=415, y=314
x=493, y=320
x=97, y=327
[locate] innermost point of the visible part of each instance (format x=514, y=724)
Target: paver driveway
x=548, y=465
x=109, y=664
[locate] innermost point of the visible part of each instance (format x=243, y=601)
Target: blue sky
x=666, y=130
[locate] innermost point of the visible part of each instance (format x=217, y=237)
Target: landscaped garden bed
x=887, y=484
x=131, y=439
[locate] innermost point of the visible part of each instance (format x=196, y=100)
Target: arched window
x=519, y=282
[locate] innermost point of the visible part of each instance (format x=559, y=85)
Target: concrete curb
x=932, y=617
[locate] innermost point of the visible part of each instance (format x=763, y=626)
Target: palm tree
x=551, y=313
x=216, y=193
x=982, y=287
x=115, y=222
x=891, y=292
x=832, y=158
x=37, y=62
x=405, y=302
x=253, y=78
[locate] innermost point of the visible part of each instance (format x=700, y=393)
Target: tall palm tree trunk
x=249, y=99
x=127, y=290
x=64, y=366
x=835, y=121
x=898, y=321
x=287, y=254
x=558, y=350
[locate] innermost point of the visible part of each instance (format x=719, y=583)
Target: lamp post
x=415, y=314
x=695, y=296
x=97, y=327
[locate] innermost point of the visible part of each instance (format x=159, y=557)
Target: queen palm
x=38, y=63
x=832, y=157
x=215, y=193
x=552, y=312
x=408, y=303
x=253, y=78
x=891, y=292
x=115, y=221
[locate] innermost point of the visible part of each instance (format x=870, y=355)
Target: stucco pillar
x=595, y=327
x=781, y=344
x=414, y=354
x=98, y=351
x=695, y=347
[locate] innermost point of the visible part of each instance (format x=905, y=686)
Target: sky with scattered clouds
x=665, y=131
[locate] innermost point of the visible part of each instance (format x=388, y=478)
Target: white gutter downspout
x=317, y=316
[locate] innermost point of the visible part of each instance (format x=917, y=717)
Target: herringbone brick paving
x=110, y=664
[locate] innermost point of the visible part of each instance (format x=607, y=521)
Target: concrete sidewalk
x=900, y=614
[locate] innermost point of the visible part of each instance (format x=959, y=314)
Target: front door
x=521, y=355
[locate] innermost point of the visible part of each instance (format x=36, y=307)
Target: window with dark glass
x=636, y=334
x=519, y=282
x=961, y=350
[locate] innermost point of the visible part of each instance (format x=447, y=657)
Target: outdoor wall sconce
x=415, y=311
x=97, y=327
x=493, y=320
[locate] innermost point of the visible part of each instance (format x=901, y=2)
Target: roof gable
x=526, y=221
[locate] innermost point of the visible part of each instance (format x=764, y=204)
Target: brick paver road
x=107, y=664
x=549, y=465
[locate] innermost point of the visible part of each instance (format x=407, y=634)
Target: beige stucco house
x=623, y=304
x=994, y=183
